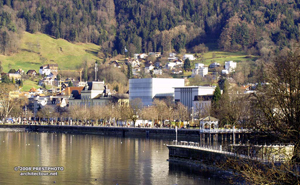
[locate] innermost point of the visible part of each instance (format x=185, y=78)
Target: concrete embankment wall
x=112, y=131
x=196, y=154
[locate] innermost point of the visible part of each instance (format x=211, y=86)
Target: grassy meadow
x=222, y=56
x=39, y=49
x=28, y=84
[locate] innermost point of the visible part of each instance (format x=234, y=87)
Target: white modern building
x=200, y=69
x=230, y=66
x=149, y=88
x=186, y=95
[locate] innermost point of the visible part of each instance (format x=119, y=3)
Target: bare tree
x=46, y=112
x=7, y=103
x=133, y=110
x=182, y=113
x=149, y=113
x=76, y=113
x=279, y=100
x=276, y=109
x=161, y=108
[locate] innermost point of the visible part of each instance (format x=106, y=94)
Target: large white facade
x=148, y=88
x=186, y=95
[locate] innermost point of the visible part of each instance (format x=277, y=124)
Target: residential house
x=40, y=91
x=134, y=62
x=140, y=56
x=47, y=81
x=157, y=71
x=115, y=64
x=155, y=54
x=39, y=102
x=172, y=56
x=148, y=68
x=230, y=66
x=213, y=65
x=49, y=68
x=15, y=76
x=179, y=63
x=200, y=70
x=31, y=73
x=188, y=56
x=171, y=65
x=93, y=94
x=20, y=71
x=177, y=71
x=225, y=72
x=198, y=65
x=32, y=91
x=157, y=64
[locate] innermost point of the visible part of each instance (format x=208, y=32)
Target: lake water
x=90, y=159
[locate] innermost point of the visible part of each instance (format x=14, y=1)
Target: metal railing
x=219, y=149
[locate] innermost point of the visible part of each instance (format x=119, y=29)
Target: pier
x=214, y=155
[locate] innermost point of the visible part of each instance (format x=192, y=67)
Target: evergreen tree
x=217, y=94
x=21, y=83
x=12, y=71
x=58, y=77
x=5, y=79
x=70, y=83
x=129, y=72
x=187, y=64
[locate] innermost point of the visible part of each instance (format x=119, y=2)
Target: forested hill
x=256, y=26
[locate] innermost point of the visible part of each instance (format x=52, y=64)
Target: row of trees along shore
x=111, y=113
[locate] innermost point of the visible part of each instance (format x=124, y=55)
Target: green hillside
x=38, y=49
x=221, y=57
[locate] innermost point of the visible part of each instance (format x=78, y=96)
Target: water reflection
x=91, y=159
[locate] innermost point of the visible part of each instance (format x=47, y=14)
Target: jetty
x=212, y=155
